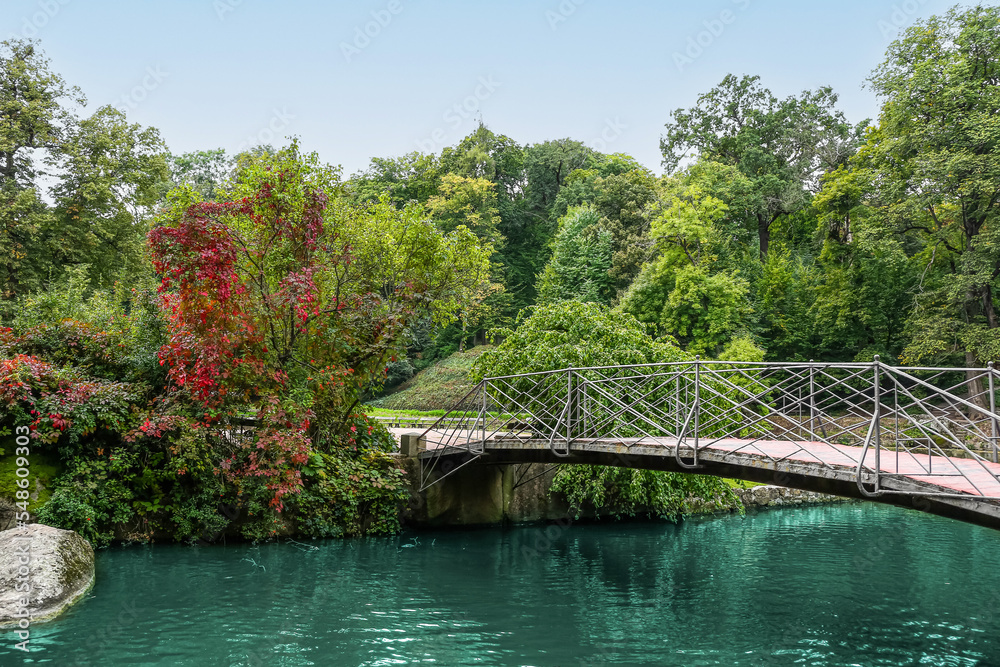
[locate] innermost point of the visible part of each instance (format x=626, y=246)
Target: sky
x=381, y=78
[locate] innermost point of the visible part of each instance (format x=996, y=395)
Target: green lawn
x=741, y=484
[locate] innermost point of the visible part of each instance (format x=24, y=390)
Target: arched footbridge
x=925, y=438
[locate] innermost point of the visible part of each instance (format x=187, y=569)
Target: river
x=842, y=584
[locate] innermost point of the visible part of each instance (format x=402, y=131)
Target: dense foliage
x=190, y=337
x=574, y=334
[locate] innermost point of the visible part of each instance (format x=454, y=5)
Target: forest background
x=190, y=338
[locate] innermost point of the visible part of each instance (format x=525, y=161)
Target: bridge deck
x=959, y=475
x=951, y=475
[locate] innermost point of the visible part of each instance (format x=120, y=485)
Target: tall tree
x=686, y=292
x=110, y=173
x=547, y=166
x=933, y=169
x=485, y=154
x=32, y=111
x=472, y=203
x=783, y=146
x=413, y=177
x=205, y=172
x=101, y=174
x=34, y=121
x=467, y=201
x=580, y=262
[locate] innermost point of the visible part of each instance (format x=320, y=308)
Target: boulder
x=43, y=570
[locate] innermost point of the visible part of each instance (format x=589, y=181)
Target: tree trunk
x=764, y=233
x=977, y=392
x=988, y=310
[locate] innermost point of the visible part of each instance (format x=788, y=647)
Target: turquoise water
x=854, y=584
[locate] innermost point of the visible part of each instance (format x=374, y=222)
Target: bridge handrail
x=915, y=413
x=762, y=364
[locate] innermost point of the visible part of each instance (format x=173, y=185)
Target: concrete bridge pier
x=479, y=494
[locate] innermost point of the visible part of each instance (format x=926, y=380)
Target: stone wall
x=776, y=496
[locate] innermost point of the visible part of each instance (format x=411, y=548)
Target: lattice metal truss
x=889, y=421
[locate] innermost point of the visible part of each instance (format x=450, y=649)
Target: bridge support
x=411, y=444
x=484, y=495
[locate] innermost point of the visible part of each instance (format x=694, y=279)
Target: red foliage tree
x=283, y=304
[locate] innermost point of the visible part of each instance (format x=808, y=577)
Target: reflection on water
x=855, y=584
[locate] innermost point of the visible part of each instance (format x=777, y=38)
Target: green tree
x=782, y=146
x=102, y=175
x=686, y=292
x=35, y=119
x=933, y=166
x=409, y=178
x=485, y=155
x=580, y=262
x=862, y=280
x=621, y=191
x=467, y=201
x=785, y=296
x=471, y=203
x=574, y=334
x=205, y=172
x=547, y=165
x=494, y=157
x=111, y=172
x=32, y=110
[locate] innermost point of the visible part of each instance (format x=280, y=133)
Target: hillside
x=437, y=387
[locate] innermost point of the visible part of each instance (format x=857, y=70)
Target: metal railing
x=887, y=421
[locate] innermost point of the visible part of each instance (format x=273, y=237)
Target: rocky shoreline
x=779, y=496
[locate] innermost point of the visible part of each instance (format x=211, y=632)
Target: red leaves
x=62, y=400
x=156, y=425
x=252, y=289
x=278, y=449
x=59, y=422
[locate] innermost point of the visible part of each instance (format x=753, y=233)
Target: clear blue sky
x=225, y=73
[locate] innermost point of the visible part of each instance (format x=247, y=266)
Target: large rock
x=43, y=570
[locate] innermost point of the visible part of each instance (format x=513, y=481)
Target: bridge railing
x=882, y=421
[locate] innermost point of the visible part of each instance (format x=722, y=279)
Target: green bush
x=573, y=334
x=626, y=492
x=351, y=490
x=68, y=511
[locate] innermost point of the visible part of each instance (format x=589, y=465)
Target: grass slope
x=438, y=387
